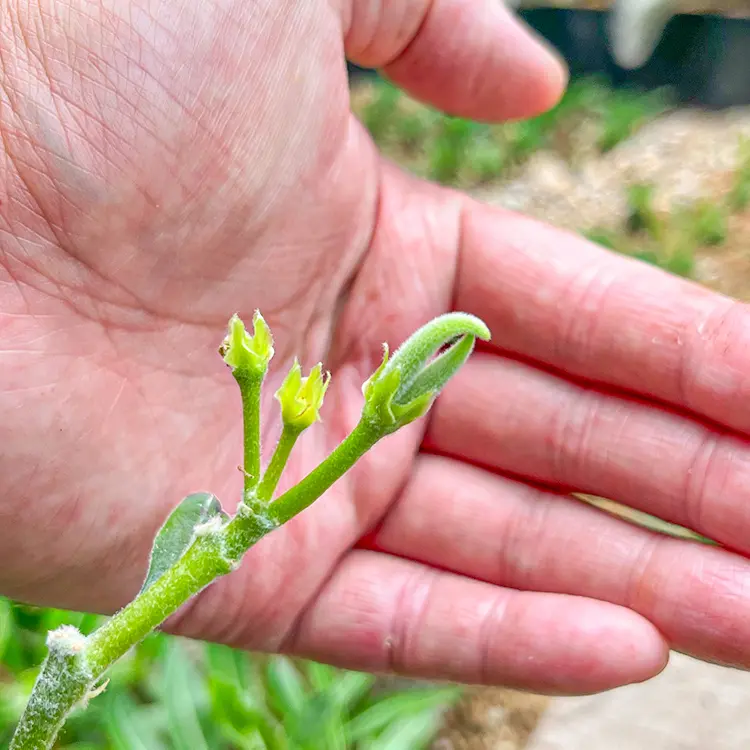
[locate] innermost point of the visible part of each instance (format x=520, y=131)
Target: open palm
x=167, y=164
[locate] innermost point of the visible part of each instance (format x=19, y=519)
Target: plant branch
x=63, y=680
x=277, y=463
x=250, y=389
x=198, y=567
x=303, y=494
x=199, y=543
x=248, y=356
x=212, y=554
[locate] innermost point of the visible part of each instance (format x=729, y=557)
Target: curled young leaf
x=437, y=373
x=412, y=356
x=179, y=531
x=404, y=386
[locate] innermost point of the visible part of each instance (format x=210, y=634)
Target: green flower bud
x=381, y=408
x=301, y=398
x=246, y=353
x=404, y=386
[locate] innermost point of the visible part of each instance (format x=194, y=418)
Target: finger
x=466, y=57
x=491, y=528
x=558, y=299
x=520, y=420
x=383, y=614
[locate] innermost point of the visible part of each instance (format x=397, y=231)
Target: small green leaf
x=414, y=732
x=350, y=688
x=124, y=724
x=321, y=676
x=435, y=375
x=236, y=717
x=319, y=723
x=284, y=686
x=178, y=532
x=223, y=665
x=243, y=719
x=335, y=737
x=317, y=719
x=6, y=625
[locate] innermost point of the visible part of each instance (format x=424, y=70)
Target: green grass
x=665, y=241
x=669, y=239
x=379, y=114
x=624, y=112
x=590, y=116
x=171, y=694
x=642, y=216
x=456, y=151
x=449, y=148
x=739, y=196
x=707, y=220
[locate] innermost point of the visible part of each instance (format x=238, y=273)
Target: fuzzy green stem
x=248, y=526
x=211, y=556
x=250, y=383
x=309, y=489
x=200, y=565
x=63, y=680
x=277, y=463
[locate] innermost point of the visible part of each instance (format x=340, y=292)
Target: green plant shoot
x=199, y=542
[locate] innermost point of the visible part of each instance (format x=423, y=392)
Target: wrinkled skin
x=169, y=163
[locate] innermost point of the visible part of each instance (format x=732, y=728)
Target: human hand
x=169, y=164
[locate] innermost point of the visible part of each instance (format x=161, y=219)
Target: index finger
x=560, y=300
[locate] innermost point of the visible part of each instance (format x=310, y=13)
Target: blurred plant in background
x=739, y=196
x=173, y=694
x=591, y=119
x=455, y=151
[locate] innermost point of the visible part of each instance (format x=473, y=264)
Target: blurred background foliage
x=592, y=118
x=460, y=152
x=174, y=694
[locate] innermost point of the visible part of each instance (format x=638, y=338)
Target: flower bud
x=245, y=353
x=404, y=386
x=301, y=398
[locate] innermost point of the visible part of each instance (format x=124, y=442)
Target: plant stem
x=250, y=386
x=63, y=680
x=211, y=556
x=248, y=526
x=216, y=555
x=348, y=452
x=201, y=564
x=277, y=463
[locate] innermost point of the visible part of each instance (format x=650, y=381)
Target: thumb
x=471, y=58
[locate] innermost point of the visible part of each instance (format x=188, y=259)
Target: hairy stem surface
x=349, y=451
x=277, y=463
x=250, y=387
